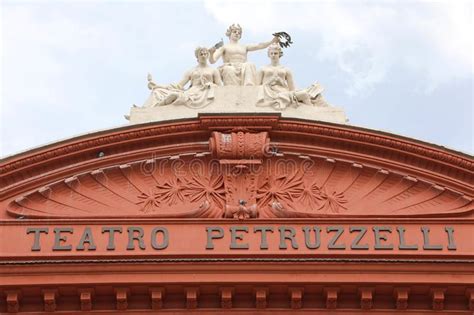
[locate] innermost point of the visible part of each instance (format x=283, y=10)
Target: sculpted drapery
x=277, y=86
x=235, y=69
x=203, y=79
x=275, y=83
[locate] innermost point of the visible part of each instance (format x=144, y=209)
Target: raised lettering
x=381, y=237
x=133, y=237
x=263, y=239
x=401, y=236
x=450, y=231
x=86, y=238
x=426, y=240
x=164, y=243
x=332, y=243
x=36, y=242
x=234, y=237
x=290, y=236
x=355, y=243
x=211, y=236
x=59, y=239
x=111, y=230
x=307, y=237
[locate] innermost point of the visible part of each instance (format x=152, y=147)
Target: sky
x=74, y=67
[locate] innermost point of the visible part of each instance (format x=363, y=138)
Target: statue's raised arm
x=253, y=47
x=272, y=89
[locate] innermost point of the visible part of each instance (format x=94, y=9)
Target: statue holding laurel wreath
x=272, y=86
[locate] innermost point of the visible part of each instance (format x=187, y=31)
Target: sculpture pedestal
x=235, y=99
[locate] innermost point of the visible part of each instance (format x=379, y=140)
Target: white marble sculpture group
x=275, y=82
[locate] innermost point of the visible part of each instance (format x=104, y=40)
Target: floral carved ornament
x=243, y=177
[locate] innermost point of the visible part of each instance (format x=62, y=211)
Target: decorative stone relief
x=243, y=177
x=239, y=154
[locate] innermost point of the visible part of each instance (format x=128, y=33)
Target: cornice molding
x=36, y=168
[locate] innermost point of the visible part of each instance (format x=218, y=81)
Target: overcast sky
x=72, y=67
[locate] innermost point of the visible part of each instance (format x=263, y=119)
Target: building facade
x=237, y=213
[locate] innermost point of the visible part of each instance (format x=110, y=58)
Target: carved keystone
x=261, y=297
x=437, y=295
x=366, y=297
x=13, y=301
x=49, y=299
x=296, y=297
x=470, y=298
x=239, y=145
x=121, y=296
x=239, y=153
x=226, y=297
x=331, y=297
x=192, y=295
x=157, y=295
x=401, y=298
x=85, y=297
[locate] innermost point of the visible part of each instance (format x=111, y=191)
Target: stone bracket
x=366, y=297
x=296, y=297
x=331, y=297
x=49, y=299
x=157, y=295
x=13, y=300
x=226, y=297
x=261, y=295
x=401, y=297
x=85, y=297
x=121, y=296
x=192, y=295
x=437, y=295
x=470, y=298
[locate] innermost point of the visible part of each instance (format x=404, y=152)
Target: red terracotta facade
x=242, y=213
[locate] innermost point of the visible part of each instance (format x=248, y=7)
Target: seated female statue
x=278, y=88
x=200, y=93
x=236, y=70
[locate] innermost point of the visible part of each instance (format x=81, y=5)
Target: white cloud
x=37, y=84
x=35, y=46
x=367, y=39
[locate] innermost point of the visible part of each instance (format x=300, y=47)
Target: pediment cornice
x=409, y=168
